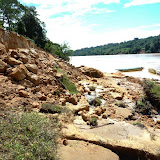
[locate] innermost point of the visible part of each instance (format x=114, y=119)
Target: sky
x=89, y=23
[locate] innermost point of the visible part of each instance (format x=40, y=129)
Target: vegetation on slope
x=27, y=136
x=146, y=45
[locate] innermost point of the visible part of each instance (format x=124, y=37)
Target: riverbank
x=85, y=110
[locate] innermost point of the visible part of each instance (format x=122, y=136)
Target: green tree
x=10, y=12
x=32, y=27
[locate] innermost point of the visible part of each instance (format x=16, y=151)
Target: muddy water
x=109, y=63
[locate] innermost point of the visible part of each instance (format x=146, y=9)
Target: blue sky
x=87, y=23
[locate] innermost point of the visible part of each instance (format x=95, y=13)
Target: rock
x=33, y=78
x=105, y=115
x=158, y=122
x=23, y=93
x=20, y=87
x=94, y=116
x=98, y=111
x=13, y=61
x=24, y=58
x=65, y=142
x=32, y=67
x=14, y=54
x=3, y=66
x=85, y=117
x=26, y=83
x=124, y=112
x=117, y=96
x=82, y=105
x=42, y=97
x=59, y=75
x=91, y=72
x=35, y=104
x=72, y=99
x=19, y=73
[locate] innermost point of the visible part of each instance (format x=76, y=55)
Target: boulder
x=33, y=78
x=72, y=99
x=23, y=93
x=85, y=117
x=13, y=61
x=3, y=66
x=32, y=67
x=14, y=54
x=82, y=105
x=19, y=73
x=24, y=58
x=118, y=96
x=91, y=72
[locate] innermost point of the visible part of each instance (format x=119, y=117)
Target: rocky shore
x=102, y=121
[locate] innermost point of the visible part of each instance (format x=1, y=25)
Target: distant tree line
x=136, y=46
x=24, y=20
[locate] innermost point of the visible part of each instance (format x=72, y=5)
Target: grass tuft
x=68, y=84
x=50, y=108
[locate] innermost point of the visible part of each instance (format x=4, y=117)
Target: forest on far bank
x=136, y=46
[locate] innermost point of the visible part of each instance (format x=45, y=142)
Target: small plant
x=93, y=121
x=120, y=104
x=57, y=68
x=139, y=124
x=50, y=108
x=144, y=107
x=152, y=91
x=96, y=102
x=92, y=88
x=68, y=84
x=27, y=136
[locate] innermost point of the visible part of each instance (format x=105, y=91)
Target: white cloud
x=140, y=2
x=70, y=27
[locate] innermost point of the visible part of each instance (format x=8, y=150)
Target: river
x=109, y=63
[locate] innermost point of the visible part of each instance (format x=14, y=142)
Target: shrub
x=139, y=124
x=50, y=108
x=152, y=91
x=68, y=84
x=120, y=104
x=27, y=136
x=144, y=107
x=93, y=121
x=96, y=102
x=92, y=88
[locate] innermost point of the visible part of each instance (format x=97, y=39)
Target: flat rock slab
x=114, y=130
x=79, y=150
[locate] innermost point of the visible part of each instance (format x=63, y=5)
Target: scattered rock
x=19, y=73
x=117, y=96
x=33, y=78
x=32, y=67
x=3, y=66
x=72, y=99
x=23, y=93
x=12, y=61
x=85, y=117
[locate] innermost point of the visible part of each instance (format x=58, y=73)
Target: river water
x=109, y=63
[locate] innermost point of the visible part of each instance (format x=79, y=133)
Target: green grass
x=68, y=84
x=97, y=102
x=57, y=68
x=139, y=124
x=93, y=121
x=27, y=136
x=120, y=104
x=50, y=108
